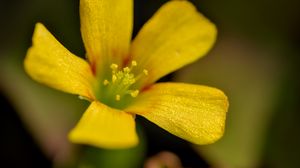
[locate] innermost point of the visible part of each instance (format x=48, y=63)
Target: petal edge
x=175, y=36
x=193, y=112
x=106, y=28
x=50, y=63
x=105, y=127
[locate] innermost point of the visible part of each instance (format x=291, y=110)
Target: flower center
x=118, y=90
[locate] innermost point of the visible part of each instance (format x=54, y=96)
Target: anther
x=114, y=78
x=145, y=72
x=126, y=69
x=118, y=97
x=114, y=66
x=133, y=63
x=134, y=93
x=105, y=82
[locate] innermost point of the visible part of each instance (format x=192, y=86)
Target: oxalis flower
x=118, y=76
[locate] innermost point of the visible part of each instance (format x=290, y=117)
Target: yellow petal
x=106, y=27
x=48, y=62
x=175, y=36
x=193, y=112
x=105, y=127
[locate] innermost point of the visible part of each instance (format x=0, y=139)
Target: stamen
x=118, y=97
x=114, y=78
x=133, y=63
x=145, y=71
x=122, y=80
x=126, y=70
x=134, y=93
x=105, y=82
x=114, y=66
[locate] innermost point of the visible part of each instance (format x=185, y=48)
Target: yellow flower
x=118, y=76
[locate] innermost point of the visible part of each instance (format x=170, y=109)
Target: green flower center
x=119, y=90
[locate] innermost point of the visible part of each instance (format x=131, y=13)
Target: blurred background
x=255, y=61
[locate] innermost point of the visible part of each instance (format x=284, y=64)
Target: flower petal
x=105, y=127
x=106, y=28
x=175, y=36
x=48, y=62
x=193, y=112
